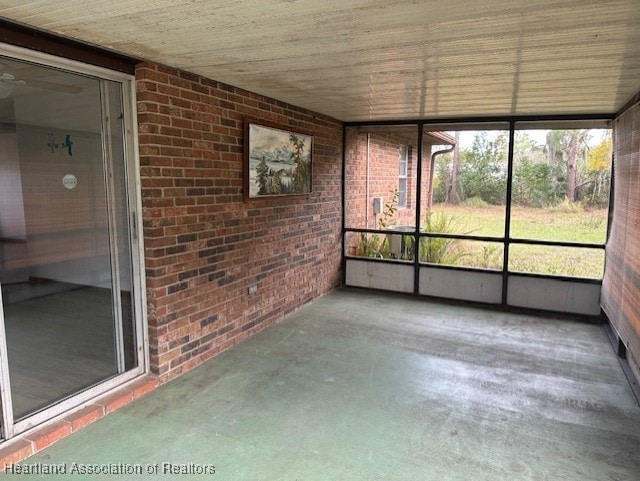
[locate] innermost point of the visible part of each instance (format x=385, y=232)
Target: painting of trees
x=278, y=162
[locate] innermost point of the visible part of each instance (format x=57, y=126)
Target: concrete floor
x=365, y=386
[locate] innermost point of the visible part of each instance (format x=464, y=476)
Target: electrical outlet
x=377, y=205
x=253, y=289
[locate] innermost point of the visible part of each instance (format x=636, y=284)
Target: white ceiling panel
x=378, y=59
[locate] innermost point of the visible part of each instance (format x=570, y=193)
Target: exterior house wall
x=621, y=283
x=384, y=157
x=205, y=246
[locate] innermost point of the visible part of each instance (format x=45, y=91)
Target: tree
x=301, y=174
x=442, y=179
x=533, y=184
x=577, y=140
x=262, y=176
x=600, y=155
x=599, y=172
x=483, y=168
x=452, y=194
x=566, y=148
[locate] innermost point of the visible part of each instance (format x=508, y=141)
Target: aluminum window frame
x=403, y=176
x=594, y=120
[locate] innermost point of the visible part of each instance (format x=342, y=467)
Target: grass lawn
x=566, y=223
x=530, y=223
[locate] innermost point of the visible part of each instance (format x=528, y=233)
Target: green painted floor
x=365, y=386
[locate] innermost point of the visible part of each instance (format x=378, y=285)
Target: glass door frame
x=9, y=427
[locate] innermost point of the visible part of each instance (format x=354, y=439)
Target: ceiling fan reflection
x=8, y=83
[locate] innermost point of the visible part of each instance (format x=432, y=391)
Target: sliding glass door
x=66, y=269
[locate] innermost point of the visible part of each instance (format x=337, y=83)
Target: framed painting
x=277, y=161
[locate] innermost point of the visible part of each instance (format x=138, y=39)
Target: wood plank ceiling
x=378, y=59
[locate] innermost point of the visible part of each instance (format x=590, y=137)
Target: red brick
x=85, y=416
x=46, y=436
x=201, y=198
x=143, y=386
x=115, y=401
x=14, y=452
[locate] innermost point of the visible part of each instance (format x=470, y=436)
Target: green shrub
x=475, y=202
x=373, y=245
x=491, y=257
x=593, y=223
x=533, y=184
x=567, y=207
x=369, y=245
x=440, y=250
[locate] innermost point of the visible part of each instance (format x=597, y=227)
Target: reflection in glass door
x=65, y=263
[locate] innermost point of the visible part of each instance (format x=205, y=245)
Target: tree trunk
x=452, y=196
x=577, y=138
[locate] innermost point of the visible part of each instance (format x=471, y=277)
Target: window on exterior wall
x=402, y=176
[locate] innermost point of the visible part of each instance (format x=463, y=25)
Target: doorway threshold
x=40, y=437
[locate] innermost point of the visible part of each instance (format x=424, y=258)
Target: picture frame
x=277, y=160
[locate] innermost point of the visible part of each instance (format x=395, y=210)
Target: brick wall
x=204, y=245
x=620, y=297
x=384, y=154
x=358, y=212
x=384, y=158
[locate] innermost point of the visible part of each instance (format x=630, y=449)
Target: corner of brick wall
x=204, y=245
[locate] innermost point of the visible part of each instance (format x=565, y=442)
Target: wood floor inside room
x=59, y=339
x=368, y=386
